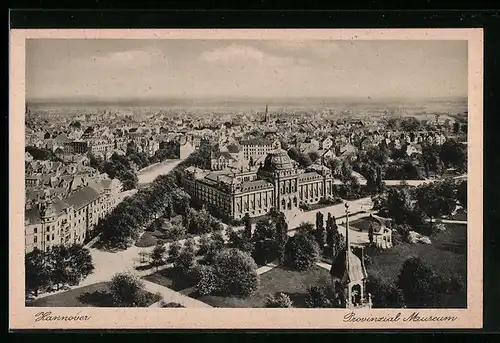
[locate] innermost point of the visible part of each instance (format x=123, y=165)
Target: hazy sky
x=110, y=69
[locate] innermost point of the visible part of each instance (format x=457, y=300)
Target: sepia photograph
x=242, y=173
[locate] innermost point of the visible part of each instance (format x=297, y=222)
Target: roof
x=82, y=197
x=256, y=184
x=312, y=175
x=32, y=215
x=256, y=142
x=219, y=154
x=233, y=148
x=355, y=270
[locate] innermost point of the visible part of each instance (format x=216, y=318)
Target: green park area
x=446, y=256
x=293, y=283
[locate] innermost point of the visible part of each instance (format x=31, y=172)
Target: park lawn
x=173, y=279
x=447, y=256
x=95, y=295
x=361, y=224
x=293, y=283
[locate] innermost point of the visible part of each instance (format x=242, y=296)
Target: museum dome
x=277, y=160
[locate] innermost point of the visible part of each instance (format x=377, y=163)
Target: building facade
x=255, y=148
x=70, y=220
x=276, y=183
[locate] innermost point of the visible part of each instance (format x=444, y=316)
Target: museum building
x=277, y=182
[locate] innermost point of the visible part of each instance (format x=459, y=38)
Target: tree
x=400, y=204
x=75, y=124
x=158, y=255
x=320, y=229
x=280, y=300
x=456, y=127
x=384, y=294
x=236, y=272
x=281, y=236
x=185, y=260
x=248, y=227
x=265, y=251
x=264, y=229
x=218, y=241
x=317, y=297
x=329, y=229
x=436, y=199
x=180, y=201
x=419, y=284
x=454, y=154
x=41, y=153
x=119, y=229
x=205, y=244
x=190, y=245
x=70, y=264
x=313, y=156
x=430, y=158
x=37, y=271
x=173, y=251
x=301, y=252
x=208, y=281
x=238, y=241
x=127, y=290
x=370, y=234
x=411, y=124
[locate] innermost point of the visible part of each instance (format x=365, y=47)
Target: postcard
x=253, y=179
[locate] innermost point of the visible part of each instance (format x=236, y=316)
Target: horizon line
x=230, y=98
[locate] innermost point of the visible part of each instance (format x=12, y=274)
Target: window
x=52, y=236
x=35, y=239
x=35, y=230
x=48, y=238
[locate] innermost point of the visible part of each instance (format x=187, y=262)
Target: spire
x=266, y=117
x=347, y=243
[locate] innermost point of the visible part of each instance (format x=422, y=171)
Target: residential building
x=71, y=219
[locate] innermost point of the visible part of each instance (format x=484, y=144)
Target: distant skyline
x=142, y=70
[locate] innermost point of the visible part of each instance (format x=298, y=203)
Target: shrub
x=301, y=251
x=385, y=294
x=205, y=244
x=190, y=245
x=185, y=260
x=317, y=298
x=146, y=240
x=171, y=304
x=419, y=284
x=236, y=273
x=158, y=255
x=280, y=300
x=208, y=282
x=265, y=251
x=401, y=234
x=128, y=291
x=305, y=207
x=175, y=232
x=173, y=251
x=235, y=222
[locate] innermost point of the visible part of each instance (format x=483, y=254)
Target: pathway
x=452, y=221
x=324, y=265
x=150, y=173
x=173, y=296
x=266, y=268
